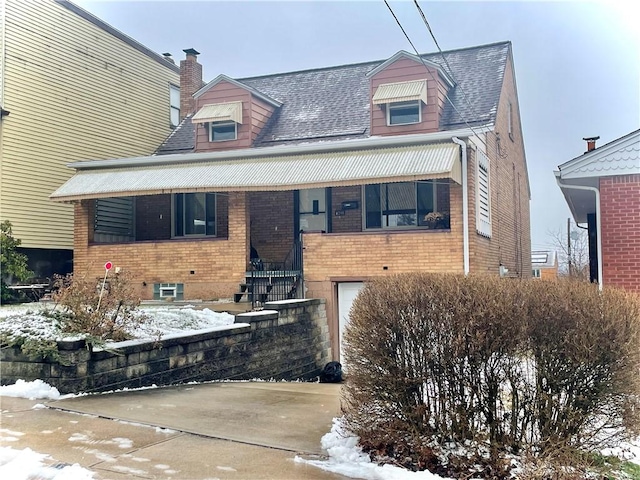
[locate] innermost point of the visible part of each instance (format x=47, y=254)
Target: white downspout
x=598, y=224
x=465, y=205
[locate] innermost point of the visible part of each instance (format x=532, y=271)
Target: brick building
x=602, y=189
x=544, y=264
x=315, y=181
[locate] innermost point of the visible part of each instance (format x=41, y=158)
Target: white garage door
x=347, y=293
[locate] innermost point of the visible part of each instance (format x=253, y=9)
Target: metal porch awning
x=267, y=173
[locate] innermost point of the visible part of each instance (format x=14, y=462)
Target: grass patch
x=631, y=469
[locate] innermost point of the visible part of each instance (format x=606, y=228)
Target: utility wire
x=427, y=68
x=426, y=23
x=450, y=70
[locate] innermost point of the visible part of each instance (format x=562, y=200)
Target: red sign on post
x=108, y=265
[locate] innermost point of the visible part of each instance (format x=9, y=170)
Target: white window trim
x=399, y=105
x=164, y=290
x=229, y=122
x=483, y=169
x=172, y=106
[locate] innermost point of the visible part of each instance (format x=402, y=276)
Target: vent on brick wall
x=483, y=195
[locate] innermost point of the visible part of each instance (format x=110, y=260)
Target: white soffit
x=619, y=157
x=219, y=112
x=401, y=92
x=273, y=173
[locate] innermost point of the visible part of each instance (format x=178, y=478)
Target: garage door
x=347, y=292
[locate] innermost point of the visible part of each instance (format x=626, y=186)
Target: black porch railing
x=271, y=281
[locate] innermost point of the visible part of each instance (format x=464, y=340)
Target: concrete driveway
x=227, y=430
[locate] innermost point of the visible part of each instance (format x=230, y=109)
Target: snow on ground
x=31, y=390
x=27, y=464
x=26, y=320
x=346, y=458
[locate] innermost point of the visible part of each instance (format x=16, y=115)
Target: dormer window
x=402, y=100
x=223, y=131
x=404, y=113
x=221, y=119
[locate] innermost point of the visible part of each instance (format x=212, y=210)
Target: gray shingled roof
x=333, y=103
x=181, y=140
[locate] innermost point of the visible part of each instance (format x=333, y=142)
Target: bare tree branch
x=572, y=263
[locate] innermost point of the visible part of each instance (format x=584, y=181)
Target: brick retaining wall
x=288, y=340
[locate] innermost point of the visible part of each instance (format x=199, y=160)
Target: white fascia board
x=415, y=58
x=310, y=148
x=225, y=78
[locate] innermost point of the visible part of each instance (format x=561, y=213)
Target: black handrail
x=293, y=260
x=277, y=280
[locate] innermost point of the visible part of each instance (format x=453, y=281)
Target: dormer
x=407, y=95
x=229, y=115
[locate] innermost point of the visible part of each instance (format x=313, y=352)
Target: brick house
x=544, y=264
x=602, y=189
x=317, y=180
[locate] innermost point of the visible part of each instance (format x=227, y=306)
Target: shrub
x=13, y=265
x=586, y=350
x=492, y=366
x=84, y=312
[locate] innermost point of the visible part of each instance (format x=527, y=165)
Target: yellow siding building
x=71, y=88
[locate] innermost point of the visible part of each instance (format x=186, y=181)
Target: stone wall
x=286, y=341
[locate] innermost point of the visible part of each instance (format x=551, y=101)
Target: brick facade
x=549, y=273
x=510, y=243
x=272, y=221
x=213, y=267
x=620, y=222
x=208, y=267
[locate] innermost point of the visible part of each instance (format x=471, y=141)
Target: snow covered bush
x=460, y=374
x=107, y=317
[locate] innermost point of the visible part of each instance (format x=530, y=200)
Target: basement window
x=163, y=291
x=223, y=131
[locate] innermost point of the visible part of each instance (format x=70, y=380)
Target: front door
x=312, y=206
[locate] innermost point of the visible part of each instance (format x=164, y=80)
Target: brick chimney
x=190, y=81
x=591, y=143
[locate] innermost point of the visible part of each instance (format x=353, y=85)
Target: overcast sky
x=577, y=63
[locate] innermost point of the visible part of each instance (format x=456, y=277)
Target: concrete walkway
x=234, y=430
